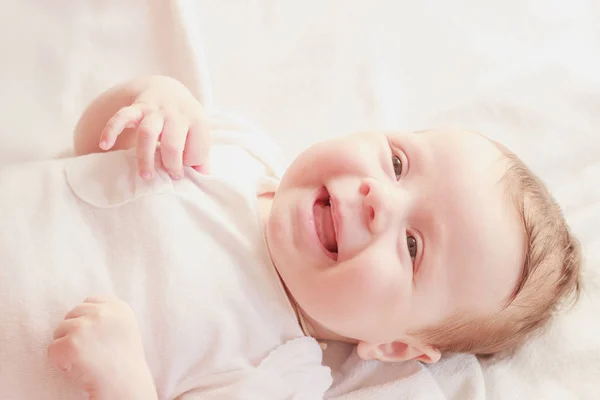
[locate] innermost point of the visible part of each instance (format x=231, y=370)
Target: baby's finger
x=59, y=354
x=172, y=145
x=81, y=310
x=147, y=137
x=127, y=117
x=99, y=299
x=66, y=327
x=197, y=146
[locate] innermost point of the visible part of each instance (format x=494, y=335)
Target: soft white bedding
x=525, y=72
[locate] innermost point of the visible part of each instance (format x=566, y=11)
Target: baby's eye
x=397, y=163
x=411, y=243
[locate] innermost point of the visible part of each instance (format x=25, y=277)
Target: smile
x=324, y=214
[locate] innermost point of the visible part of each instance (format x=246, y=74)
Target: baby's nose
x=376, y=204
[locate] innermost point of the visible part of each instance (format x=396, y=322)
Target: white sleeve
x=292, y=371
x=230, y=133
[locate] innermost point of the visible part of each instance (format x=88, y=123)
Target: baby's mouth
x=324, y=223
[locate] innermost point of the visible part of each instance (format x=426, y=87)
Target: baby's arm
x=99, y=346
x=142, y=113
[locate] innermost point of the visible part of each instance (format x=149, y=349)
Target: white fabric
x=189, y=256
x=523, y=71
x=455, y=377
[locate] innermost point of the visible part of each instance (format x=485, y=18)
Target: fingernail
x=177, y=175
x=147, y=175
x=104, y=144
x=201, y=169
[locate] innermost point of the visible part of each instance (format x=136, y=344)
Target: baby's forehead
x=482, y=209
x=463, y=147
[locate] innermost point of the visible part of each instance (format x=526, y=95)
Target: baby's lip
x=336, y=217
x=322, y=200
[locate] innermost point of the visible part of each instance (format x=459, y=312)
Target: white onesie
x=189, y=256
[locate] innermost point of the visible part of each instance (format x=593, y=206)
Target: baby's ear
x=398, y=351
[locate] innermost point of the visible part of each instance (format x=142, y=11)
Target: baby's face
x=376, y=235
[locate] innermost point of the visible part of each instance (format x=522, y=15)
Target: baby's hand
x=165, y=112
x=99, y=346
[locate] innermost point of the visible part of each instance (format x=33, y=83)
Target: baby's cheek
x=378, y=279
x=334, y=158
x=366, y=286
x=357, y=300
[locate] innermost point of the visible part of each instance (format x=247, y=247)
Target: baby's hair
x=550, y=274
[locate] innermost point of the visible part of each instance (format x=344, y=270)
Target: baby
x=222, y=275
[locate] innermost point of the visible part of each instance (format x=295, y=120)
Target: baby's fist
x=98, y=344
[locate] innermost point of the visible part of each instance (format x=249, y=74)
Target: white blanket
x=527, y=72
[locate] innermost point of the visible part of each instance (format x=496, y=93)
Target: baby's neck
x=317, y=330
